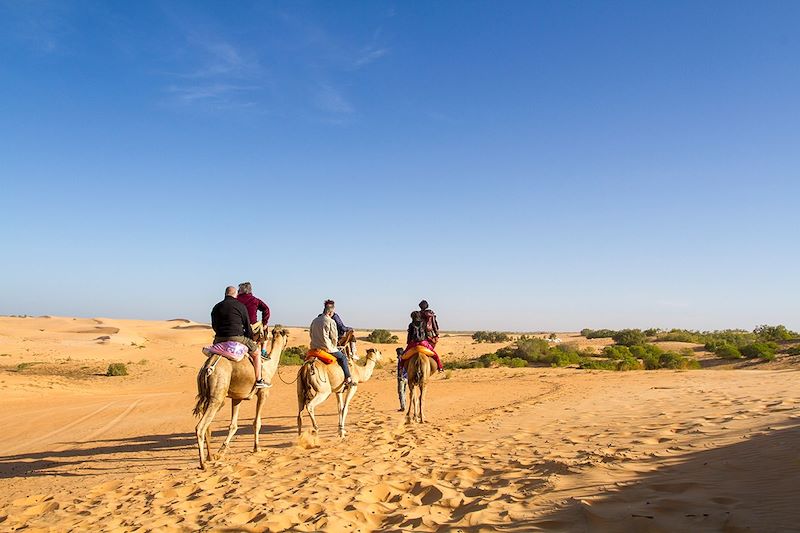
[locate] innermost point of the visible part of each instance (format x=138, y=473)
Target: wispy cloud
x=329, y=99
x=368, y=55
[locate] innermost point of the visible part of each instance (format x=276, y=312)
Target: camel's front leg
x=261, y=398
x=351, y=391
x=235, y=404
x=315, y=401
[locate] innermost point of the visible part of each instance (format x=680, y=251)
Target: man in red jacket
x=254, y=305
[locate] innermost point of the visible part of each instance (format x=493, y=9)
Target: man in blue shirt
x=346, y=334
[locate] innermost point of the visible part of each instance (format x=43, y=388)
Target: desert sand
x=505, y=449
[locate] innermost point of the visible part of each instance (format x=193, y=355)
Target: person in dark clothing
x=431, y=324
x=417, y=336
x=231, y=322
x=402, y=380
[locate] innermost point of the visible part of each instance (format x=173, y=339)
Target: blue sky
x=522, y=165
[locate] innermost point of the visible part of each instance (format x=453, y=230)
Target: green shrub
x=652, y=332
x=629, y=363
x=629, y=337
x=727, y=351
x=597, y=364
x=117, y=369
x=490, y=336
x=382, y=336
x=761, y=350
x=294, y=355
x=617, y=352
x=774, y=333
x=597, y=333
x=794, y=350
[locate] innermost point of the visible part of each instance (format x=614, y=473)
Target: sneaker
x=261, y=384
x=441, y=370
x=264, y=354
x=348, y=382
x=355, y=357
x=401, y=410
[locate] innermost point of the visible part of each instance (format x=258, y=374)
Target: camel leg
x=261, y=397
x=203, y=429
x=351, y=391
x=235, y=404
x=300, y=421
x=421, y=401
x=318, y=399
x=410, y=412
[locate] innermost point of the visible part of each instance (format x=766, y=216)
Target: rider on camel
x=324, y=336
x=254, y=305
x=431, y=324
x=346, y=333
x=231, y=322
x=417, y=336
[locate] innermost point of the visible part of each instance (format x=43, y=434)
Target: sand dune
x=512, y=450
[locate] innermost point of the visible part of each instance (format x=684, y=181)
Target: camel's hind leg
x=203, y=429
x=315, y=401
x=233, y=427
x=421, y=401
x=411, y=413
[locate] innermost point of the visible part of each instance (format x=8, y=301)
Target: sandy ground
x=505, y=449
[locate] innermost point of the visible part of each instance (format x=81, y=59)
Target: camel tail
x=419, y=372
x=306, y=390
x=203, y=390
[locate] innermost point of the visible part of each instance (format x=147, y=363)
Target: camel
x=316, y=381
x=220, y=378
x=420, y=367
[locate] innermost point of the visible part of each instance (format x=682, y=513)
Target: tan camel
x=220, y=378
x=316, y=381
x=420, y=367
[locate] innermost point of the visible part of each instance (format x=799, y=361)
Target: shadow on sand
x=147, y=450
x=748, y=486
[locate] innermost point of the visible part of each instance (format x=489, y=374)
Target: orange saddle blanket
x=322, y=355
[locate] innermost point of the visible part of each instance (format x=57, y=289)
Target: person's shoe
x=401, y=410
x=264, y=354
x=441, y=370
x=261, y=384
x=348, y=382
x=355, y=357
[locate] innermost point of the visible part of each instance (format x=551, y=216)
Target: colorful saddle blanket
x=235, y=351
x=414, y=348
x=322, y=355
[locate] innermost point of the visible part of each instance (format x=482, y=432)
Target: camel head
x=279, y=333
x=373, y=355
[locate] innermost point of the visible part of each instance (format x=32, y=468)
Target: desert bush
x=490, y=336
x=652, y=332
x=761, y=350
x=617, y=352
x=597, y=364
x=597, y=333
x=726, y=350
x=294, y=355
x=382, y=336
x=629, y=337
x=774, y=333
x=117, y=369
x=793, y=350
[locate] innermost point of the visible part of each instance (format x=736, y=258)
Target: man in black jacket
x=231, y=322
